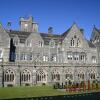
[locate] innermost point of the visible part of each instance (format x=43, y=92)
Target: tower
x=27, y=24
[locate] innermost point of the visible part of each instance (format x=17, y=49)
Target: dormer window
x=93, y=59
x=52, y=43
x=40, y=44
x=15, y=42
x=28, y=43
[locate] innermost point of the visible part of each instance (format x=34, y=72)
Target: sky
x=60, y=14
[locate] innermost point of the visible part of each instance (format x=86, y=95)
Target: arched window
x=55, y=76
x=68, y=76
x=9, y=76
x=26, y=76
x=40, y=76
x=72, y=42
x=92, y=75
x=80, y=76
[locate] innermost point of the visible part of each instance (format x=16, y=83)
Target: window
x=93, y=59
x=23, y=56
x=92, y=75
x=41, y=76
x=56, y=76
x=53, y=57
x=17, y=56
x=83, y=56
x=28, y=43
x=9, y=76
x=40, y=44
x=81, y=76
x=69, y=56
x=15, y=42
x=52, y=43
x=26, y=76
x=69, y=76
x=29, y=56
x=26, y=25
x=72, y=42
x=45, y=58
x=76, y=56
x=0, y=53
x=78, y=42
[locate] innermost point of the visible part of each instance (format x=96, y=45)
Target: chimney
x=50, y=30
x=82, y=31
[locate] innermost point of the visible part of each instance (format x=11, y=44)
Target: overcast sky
x=60, y=14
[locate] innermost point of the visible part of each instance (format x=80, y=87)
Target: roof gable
x=21, y=34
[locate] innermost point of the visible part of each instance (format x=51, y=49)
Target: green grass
x=21, y=92
x=34, y=91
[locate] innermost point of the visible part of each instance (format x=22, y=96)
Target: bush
x=55, y=86
x=27, y=84
x=9, y=85
x=43, y=84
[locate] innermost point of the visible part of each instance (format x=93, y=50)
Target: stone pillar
x=34, y=77
x=62, y=76
x=49, y=81
x=0, y=76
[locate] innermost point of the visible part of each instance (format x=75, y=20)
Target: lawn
x=34, y=91
x=20, y=92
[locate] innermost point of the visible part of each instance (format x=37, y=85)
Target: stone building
x=47, y=58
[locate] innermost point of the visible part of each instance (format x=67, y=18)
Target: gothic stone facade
x=48, y=58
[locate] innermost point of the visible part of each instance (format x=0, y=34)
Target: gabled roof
x=47, y=37
x=90, y=44
x=98, y=30
x=66, y=32
x=22, y=35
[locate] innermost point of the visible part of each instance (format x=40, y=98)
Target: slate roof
x=47, y=37
x=22, y=35
x=98, y=31
x=90, y=44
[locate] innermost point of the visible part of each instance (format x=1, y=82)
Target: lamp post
x=2, y=72
x=19, y=74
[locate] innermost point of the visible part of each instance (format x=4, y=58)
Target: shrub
x=9, y=85
x=43, y=84
x=27, y=84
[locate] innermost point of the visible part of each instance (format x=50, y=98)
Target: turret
x=28, y=24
